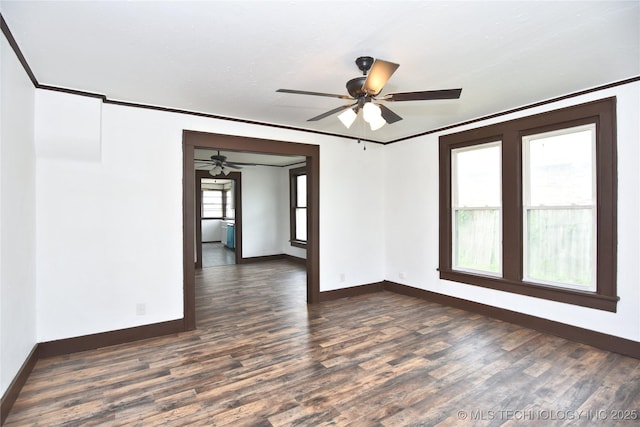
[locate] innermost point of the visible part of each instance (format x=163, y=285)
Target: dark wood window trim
x=293, y=190
x=603, y=114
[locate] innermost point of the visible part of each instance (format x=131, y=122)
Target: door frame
x=236, y=177
x=195, y=139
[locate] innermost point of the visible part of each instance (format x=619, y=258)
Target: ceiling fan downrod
x=364, y=63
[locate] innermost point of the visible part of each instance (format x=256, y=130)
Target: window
x=476, y=208
x=217, y=199
x=298, y=217
x=529, y=206
x=559, y=208
x=212, y=206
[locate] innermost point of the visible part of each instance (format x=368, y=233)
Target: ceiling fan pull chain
x=362, y=131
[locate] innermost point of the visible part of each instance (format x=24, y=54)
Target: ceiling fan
x=220, y=164
x=364, y=91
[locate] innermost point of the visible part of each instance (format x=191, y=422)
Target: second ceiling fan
x=364, y=91
x=220, y=165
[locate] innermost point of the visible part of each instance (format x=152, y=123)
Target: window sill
x=299, y=244
x=568, y=296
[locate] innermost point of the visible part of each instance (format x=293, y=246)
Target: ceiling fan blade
x=304, y=92
x=233, y=165
x=243, y=164
x=328, y=113
x=423, y=95
x=380, y=73
x=388, y=115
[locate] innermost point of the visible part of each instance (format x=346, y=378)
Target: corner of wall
x=17, y=217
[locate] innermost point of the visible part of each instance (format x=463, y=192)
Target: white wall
x=17, y=217
x=352, y=204
x=211, y=231
x=109, y=231
x=261, y=227
x=412, y=224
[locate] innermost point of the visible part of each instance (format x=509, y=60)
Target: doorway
x=192, y=140
x=229, y=248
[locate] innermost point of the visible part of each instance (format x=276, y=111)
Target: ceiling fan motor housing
x=218, y=157
x=354, y=87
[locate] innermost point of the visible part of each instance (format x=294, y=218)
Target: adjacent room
x=389, y=213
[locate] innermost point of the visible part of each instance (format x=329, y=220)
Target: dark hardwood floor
x=262, y=357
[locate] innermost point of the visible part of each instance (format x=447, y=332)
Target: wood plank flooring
x=262, y=357
x=215, y=254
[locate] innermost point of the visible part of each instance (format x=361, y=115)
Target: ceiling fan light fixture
x=348, y=117
x=215, y=170
x=371, y=112
x=377, y=123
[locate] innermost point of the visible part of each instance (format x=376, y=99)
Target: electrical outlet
x=141, y=309
x=402, y=275
x=342, y=277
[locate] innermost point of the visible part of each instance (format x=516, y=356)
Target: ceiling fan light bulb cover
x=348, y=117
x=371, y=112
x=377, y=123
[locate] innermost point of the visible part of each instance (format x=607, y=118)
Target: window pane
x=301, y=224
x=476, y=240
x=560, y=246
x=212, y=212
x=559, y=211
x=231, y=211
x=561, y=167
x=476, y=190
x=477, y=176
x=208, y=197
x=301, y=190
x=212, y=204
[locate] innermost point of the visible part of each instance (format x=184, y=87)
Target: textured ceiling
x=227, y=58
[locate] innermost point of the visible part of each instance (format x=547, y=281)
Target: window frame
x=226, y=195
x=223, y=200
x=603, y=114
x=455, y=207
x=528, y=206
x=293, y=191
